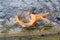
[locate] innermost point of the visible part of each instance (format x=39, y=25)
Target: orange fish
x=34, y=19
x=28, y=24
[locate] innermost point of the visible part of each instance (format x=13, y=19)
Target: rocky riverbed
x=10, y=8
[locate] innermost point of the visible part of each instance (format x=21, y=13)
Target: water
x=10, y=8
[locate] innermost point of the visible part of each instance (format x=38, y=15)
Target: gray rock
x=58, y=22
x=2, y=14
x=42, y=0
x=56, y=27
x=2, y=20
x=15, y=30
x=1, y=7
x=11, y=21
x=46, y=23
x=13, y=6
x=29, y=1
x=1, y=26
x=49, y=4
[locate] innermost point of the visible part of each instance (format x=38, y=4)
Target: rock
x=42, y=0
x=58, y=22
x=1, y=26
x=15, y=30
x=58, y=18
x=13, y=6
x=1, y=8
x=2, y=14
x=56, y=27
x=18, y=3
x=2, y=20
x=41, y=27
x=29, y=1
x=50, y=5
x=46, y=23
x=11, y=21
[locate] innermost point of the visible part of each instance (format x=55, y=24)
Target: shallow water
x=10, y=8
